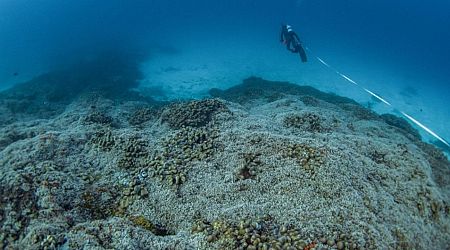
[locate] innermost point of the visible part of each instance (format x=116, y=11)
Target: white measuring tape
x=382, y=99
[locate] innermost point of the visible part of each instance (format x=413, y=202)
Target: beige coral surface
x=257, y=168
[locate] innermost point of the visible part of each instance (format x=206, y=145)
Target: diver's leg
x=288, y=45
x=302, y=53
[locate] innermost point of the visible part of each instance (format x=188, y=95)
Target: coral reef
x=438, y=162
x=11, y=134
x=310, y=158
x=98, y=117
x=134, y=151
x=147, y=225
x=310, y=101
x=265, y=233
x=111, y=74
x=249, y=167
x=18, y=205
x=403, y=125
x=142, y=115
x=104, y=139
x=257, y=88
x=360, y=113
x=290, y=168
x=98, y=202
x=193, y=113
x=309, y=121
x=180, y=150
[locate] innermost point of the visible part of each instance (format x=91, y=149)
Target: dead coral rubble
x=18, y=205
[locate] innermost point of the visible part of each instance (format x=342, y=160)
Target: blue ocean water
x=97, y=151
x=397, y=49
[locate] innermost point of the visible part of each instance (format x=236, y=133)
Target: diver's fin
x=302, y=53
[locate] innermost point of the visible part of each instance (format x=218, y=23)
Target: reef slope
x=262, y=165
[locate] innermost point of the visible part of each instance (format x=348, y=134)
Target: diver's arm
x=281, y=36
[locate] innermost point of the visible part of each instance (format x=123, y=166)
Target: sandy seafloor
x=262, y=165
x=200, y=63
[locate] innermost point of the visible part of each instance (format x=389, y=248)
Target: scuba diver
x=289, y=37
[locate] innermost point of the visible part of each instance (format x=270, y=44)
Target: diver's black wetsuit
x=288, y=36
